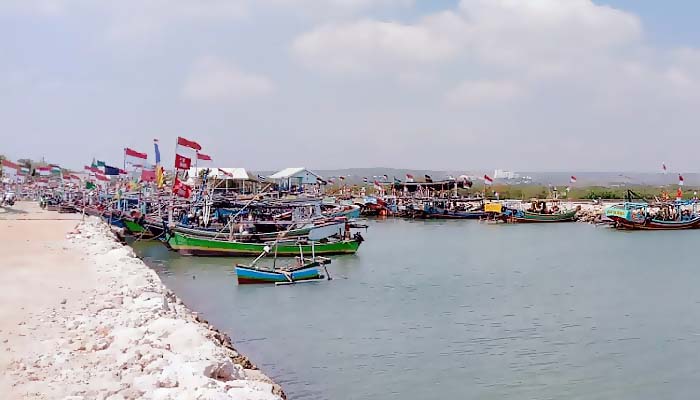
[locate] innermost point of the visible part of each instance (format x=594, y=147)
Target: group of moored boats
x=311, y=229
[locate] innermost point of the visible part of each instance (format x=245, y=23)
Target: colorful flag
x=160, y=177
x=89, y=185
x=24, y=171
x=487, y=180
x=180, y=189
x=182, y=162
x=572, y=179
x=148, y=175
x=55, y=169
x=226, y=173
x=188, y=143
x=680, y=180
x=111, y=170
x=157, y=151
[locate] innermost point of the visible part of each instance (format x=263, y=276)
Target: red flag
x=203, y=157
x=101, y=177
x=182, y=162
x=226, y=173
x=180, y=189
x=148, y=175
x=133, y=153
x=488, y=180
x=10, y=164
x=188, y=143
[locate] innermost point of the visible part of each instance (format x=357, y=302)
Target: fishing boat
x=452, y=209
x=540, y=211
x=675, y=215
x=302, y=270
x=207, y=246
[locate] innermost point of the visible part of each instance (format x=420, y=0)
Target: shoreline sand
x=83, y=318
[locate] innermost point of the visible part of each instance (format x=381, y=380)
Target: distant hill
x=356, y=175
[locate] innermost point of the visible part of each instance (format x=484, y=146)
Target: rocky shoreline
x=134, y=339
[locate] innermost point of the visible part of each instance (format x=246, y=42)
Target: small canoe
x=248, y=275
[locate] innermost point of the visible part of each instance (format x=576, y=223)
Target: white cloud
x=483, y=92
x=215, y=80
x=366, y=45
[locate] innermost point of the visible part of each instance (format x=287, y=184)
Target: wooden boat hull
x=137, y=229
x=529, y=217
x=247, y=275
x=262, y=237
x=453, y=215
x=655, y=225
x=202, y=246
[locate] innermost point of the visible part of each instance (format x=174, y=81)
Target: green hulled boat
x=205, y=246
x=134, y=227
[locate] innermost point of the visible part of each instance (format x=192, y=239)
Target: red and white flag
x=44, y=171
x=134, y=158
x=572, y=179
x=185, y=151
x=203, y=160
x=409, y=178
x=680, y=180
x=180, y=189
x=226, y=173
x=487, y=180
x=101, y=177
x=181, y=141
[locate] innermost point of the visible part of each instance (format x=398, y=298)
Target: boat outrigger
x=302, y=270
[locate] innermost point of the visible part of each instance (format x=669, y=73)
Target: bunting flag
x=487, y=180
x=180, y=189
x=572, y=179
x=409, y=178
x=680, y=180
x=135, y=158
x=157, y=151
x=92, y=169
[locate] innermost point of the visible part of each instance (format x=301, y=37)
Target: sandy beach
x=83, y=318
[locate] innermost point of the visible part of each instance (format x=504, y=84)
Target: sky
x=537, y=85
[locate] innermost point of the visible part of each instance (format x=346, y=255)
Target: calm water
x=461, y=310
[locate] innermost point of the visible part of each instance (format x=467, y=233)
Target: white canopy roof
x=238, y=174
x=298, y=172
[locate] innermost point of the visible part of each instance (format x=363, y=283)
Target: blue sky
x=444, y=84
